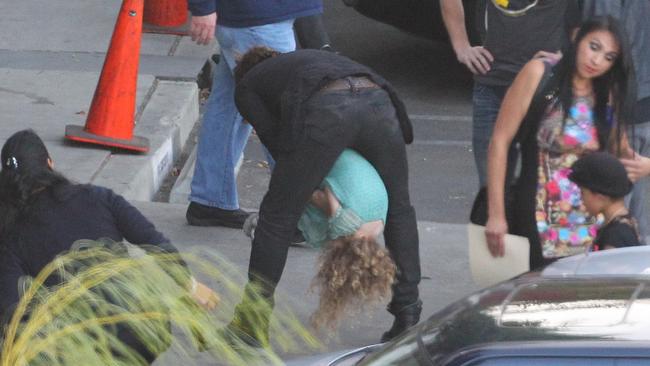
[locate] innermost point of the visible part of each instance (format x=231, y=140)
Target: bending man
x=307, y=107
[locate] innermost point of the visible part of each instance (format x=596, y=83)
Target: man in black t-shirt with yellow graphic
x=515, y=31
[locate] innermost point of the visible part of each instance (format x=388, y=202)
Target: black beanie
x=602, y=173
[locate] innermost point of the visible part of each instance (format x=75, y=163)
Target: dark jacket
x=249, y=13
x=273, y=93
x=75, y=212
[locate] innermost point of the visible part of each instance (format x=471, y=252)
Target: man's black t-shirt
x=514, y=40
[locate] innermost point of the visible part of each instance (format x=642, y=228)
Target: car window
x=556, y=361
x=568, y=304
x=638, y=313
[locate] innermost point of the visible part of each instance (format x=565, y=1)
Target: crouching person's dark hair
x=26, y=172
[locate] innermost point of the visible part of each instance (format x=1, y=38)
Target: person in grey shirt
x=511, y=39
x=634, y=15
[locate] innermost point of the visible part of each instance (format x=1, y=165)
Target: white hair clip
x=12, y=162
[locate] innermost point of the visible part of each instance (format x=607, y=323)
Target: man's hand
x=202, y=28
x=477, y=59
x=636, y=167
x=553, y=57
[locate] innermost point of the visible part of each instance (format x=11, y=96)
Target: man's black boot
x=202, y=215
x=405, y=317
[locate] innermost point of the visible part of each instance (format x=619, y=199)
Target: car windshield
x=568, y=309
x=400, y=352
x=410, y=349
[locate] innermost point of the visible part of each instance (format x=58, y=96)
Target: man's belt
x=351, y=83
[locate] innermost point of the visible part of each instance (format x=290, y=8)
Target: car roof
x=600, y=296
x=564, y=352
x=622, y=262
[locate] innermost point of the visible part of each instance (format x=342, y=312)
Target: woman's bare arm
x=513, y=109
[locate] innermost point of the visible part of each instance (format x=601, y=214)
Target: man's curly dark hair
x=251, y=58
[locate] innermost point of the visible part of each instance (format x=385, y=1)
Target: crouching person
x=42, y=215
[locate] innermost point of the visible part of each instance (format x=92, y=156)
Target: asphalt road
x=437, y=93
x=436, y=90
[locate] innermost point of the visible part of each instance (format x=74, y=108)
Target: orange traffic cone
x=110, y=119
x=166, y=16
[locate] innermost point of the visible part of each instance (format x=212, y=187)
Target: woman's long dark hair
x=25, y=174
x=618, y=82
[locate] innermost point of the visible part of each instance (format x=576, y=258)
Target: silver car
x=591, y=309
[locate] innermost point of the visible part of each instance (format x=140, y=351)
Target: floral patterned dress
x=564, y=226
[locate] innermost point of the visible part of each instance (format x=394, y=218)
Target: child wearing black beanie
x=604, y=183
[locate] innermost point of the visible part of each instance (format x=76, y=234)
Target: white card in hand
x=488, y=270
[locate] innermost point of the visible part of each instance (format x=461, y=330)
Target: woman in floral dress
x=564, y=226
x=588, y=113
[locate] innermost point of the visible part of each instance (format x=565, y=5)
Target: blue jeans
x=223, y=135
x=639, y=135
x=486, y=101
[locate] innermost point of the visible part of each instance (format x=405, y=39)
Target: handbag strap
x=546, y=91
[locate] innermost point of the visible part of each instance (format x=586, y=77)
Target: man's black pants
x=361, y=119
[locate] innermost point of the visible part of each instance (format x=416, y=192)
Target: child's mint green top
x=361, y=193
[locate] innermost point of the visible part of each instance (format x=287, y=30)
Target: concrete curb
x=167, y=119
x=181, y=189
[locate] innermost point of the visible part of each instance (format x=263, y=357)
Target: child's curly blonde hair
x=352, y=272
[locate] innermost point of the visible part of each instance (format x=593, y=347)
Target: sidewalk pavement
x=51, y=54
x=445, y=272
